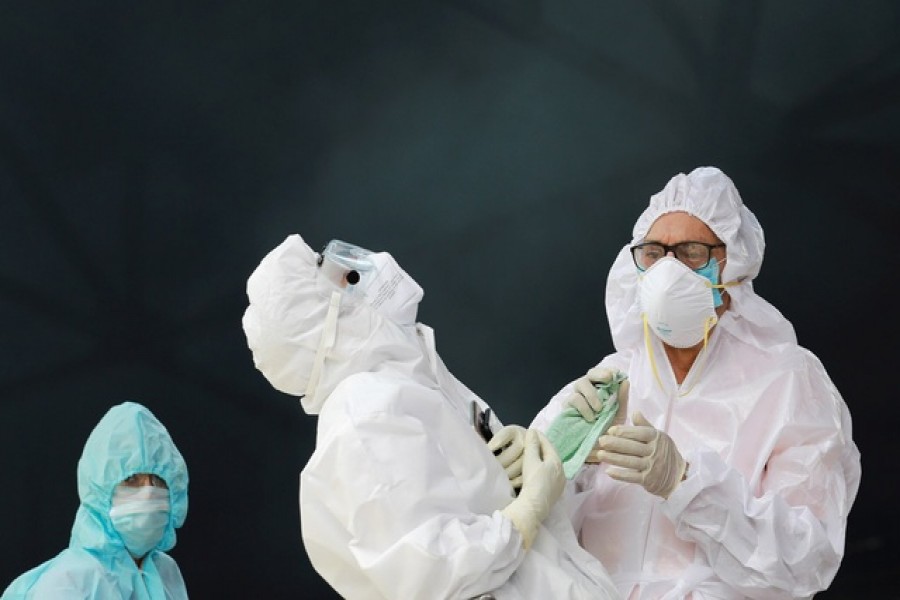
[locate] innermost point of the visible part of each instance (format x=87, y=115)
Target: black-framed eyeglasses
x=696, y=255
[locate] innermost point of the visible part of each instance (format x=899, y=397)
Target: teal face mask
x=711, y=272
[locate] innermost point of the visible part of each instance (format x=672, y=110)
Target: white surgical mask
x=677, y=303
x=140, y=516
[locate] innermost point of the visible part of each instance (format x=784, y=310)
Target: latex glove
x=643, y=455
x=585, y=400
x=510, y=443
x=584, y=397
x=542, y=485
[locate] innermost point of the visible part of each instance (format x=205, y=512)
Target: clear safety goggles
x=346, y=265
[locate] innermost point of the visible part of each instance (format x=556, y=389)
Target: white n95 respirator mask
x=140, y=516
x=677, y=303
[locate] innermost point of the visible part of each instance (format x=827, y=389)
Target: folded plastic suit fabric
x=573, y=436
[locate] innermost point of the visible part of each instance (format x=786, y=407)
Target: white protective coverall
x=96, y=565
x=401, y=498
x=773, y=470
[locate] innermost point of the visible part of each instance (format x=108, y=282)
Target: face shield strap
x=326, y=343
x=707, y=326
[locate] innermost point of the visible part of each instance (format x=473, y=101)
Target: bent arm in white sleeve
x=417, y=496
x=787, y=536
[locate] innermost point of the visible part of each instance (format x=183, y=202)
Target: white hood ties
x=326, y=343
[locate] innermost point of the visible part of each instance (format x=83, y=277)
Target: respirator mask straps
x=722, y=286
x=707, y=326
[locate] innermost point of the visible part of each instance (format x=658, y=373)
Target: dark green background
x=152, y=153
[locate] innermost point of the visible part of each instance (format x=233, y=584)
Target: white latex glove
x=584, y=397
x=644, y=454
x=510, y=442
x=543, y=481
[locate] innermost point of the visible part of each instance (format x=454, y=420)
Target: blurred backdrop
x=152, y=153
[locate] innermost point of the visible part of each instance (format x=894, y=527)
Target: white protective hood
x=284, y=322
x=708, y=194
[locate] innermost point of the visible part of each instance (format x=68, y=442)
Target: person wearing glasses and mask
x=413, y=490
x=132, y=483
x=734, y=475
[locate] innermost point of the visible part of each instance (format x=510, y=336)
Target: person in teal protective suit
x=132, y=484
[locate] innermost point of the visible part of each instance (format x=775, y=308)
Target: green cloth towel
x=573, y=436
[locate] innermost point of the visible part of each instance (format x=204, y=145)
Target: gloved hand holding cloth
x=642, y=454
x=599, y=400
x=588, y=399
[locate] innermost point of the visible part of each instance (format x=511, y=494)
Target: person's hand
x=510, y=443
x=642, y=454
x=585, y=400
x=543, y=482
